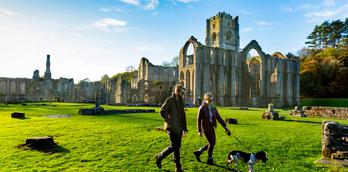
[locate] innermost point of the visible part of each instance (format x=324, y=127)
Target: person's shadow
x=224, y=167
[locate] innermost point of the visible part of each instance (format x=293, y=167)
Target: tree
x=328, y=34
x=313, y=38
x=130, y=68
x=290, y=55
x=173, y=63
x=337, y=27
x=105, y=78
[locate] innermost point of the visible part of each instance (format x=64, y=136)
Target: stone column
x=280, y=81
x=220, y=79
x=290, y=83
x=297, y=76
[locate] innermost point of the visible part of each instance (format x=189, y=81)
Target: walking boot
x=158, y=161
x=178, y=169
x=197, y=155
x=210, y=161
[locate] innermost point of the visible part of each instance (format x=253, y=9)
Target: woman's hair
x=207, y=96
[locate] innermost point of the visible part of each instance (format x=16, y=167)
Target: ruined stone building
x=46, y=89
x=220, y=66
x=236, y=79
x=148, y=84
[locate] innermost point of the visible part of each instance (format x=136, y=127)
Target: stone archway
x=191, y=44
x=188, y=83
x=260, y=97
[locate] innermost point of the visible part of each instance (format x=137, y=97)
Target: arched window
x=254, y=64
x=214, y=38
x=188, y=82
x=189, y=54
x=229, y=37
x=182, y=77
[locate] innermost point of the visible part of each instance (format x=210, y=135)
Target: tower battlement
x=222, y=31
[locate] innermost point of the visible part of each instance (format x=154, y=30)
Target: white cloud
x=248, y=29
x=329, y=3
x=151, y=5
x=263, y=23
x=186, y=1
x=245, y=12
x=149, y=49
x=106, y=10
x=109, y=24
x=106, y=22
x=7, y=12
x=286, y=8
x=133, y=2
x=146, y=5
x=327, y=10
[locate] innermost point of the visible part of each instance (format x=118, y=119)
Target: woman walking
x=206, y=123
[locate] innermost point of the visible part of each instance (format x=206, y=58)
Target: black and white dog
x=248, y=158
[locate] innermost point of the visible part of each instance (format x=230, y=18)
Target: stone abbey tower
x=236, y=78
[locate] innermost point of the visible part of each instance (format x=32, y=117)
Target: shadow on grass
x=49, y=150
x=21, y=118
x=309, y=122
x=241, y=109
x=132, y=116
x=221, y=166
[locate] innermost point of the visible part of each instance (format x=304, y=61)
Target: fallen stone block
x=270, y=115
x=17, y=115
x=244, y=108
x=231, y=121
x=40, y=143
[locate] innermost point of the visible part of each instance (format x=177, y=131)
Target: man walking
x=173, y=113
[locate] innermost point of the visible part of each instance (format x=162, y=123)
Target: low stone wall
x=327, y=112
x=101, y=111
x=334, y=141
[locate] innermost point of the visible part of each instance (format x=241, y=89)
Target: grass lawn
x=335, y=102
x=128, y=142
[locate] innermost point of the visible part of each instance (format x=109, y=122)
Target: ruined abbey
x=236, y=79
x=220, y=66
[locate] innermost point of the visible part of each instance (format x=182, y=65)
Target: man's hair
x=181, y=88
x=208, y=96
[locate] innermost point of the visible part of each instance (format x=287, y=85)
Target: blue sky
x=87, y=39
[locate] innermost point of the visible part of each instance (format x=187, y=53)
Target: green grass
x=128, y=142
x=335, y=102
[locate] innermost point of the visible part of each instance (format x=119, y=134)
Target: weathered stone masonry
x=236, y=79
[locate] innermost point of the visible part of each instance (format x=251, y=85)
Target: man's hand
x=184, y=133
x=228, y=132
x=200, y=134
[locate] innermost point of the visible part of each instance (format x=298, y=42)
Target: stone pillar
x=290, y=83
x=47, y=75
x=280, y=81
x=220, y=78
x=263, y=80
x=297, y=76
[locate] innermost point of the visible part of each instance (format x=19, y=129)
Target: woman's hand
x=200, y=134
x=228, y=132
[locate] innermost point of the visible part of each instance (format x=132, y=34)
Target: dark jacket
x=173, y=113
x=203, y=121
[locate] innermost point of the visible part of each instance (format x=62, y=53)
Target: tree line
x=324, y=63
x=329, y=34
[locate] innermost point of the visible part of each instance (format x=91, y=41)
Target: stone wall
x=334, y=141
x=326, y=112
x=150, y=72
x=235, y=78
x=149, y=84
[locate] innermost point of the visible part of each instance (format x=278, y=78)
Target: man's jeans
x=175, y=143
